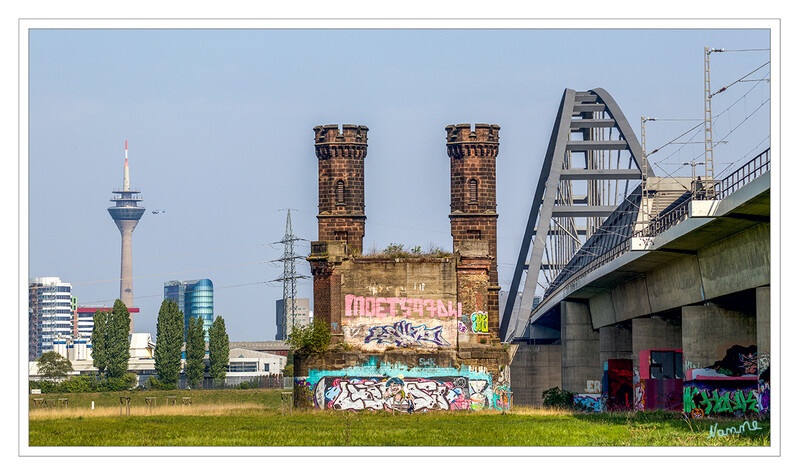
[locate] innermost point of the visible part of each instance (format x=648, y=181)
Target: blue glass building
x=195, y=298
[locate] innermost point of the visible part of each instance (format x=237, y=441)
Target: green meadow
x=255, y=418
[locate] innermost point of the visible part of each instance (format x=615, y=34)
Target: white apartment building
x=50, y=313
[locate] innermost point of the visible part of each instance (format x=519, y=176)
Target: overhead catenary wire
x=740, y=79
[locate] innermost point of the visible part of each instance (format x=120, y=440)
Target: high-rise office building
x=195, y=298
x=126, y=213
x=302, y=316
x=49, y=313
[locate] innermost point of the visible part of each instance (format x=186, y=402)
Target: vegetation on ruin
x=307, y=339
x=253, y=418
x=398, y=251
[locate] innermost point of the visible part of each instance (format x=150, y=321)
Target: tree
x=313, y=338
x=195, y=352
x=219, y=349
x=169, y=339
x=118, y=340
x=53, y=366
x=99, y=343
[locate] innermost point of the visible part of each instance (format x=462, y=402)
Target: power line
x=172, y=273
x=740, y=79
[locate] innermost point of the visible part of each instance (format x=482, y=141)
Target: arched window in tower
x=340, y=192
x=473, y=191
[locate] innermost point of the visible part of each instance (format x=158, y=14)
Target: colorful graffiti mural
x=396, y=394
x=399, y=307
x=620, y=385
x=589, y=402
x=398, y=388
x=738, y=361
x=404, y=334
x=723, y=397
x=479, y=322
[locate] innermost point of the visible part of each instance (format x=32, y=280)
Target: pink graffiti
x=399, y=307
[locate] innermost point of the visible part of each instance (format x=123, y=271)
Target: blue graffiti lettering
x=402, y=333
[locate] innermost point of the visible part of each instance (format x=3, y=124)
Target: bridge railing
x=664, y=222
x=723, y=188
x=742, y=176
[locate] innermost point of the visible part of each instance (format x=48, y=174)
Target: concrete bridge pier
x=580, y=347
x=709, y=330
x=654, y=333
x=615, y=342
x=763, y=309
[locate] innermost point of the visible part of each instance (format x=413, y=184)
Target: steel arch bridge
x=586, y=203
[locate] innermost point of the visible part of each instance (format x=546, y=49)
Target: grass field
x=253, y=418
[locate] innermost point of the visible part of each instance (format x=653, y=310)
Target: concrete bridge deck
x=684, y=264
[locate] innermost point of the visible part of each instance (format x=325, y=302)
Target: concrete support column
x=615, y=342
x=709, y=330
x=763, y=305
x=534, y=369
x=655, y=333
x=580, y=347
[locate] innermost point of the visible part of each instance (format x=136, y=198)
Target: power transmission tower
x=289, y=277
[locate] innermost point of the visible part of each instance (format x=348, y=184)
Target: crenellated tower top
x=341, y=153
x=463, y=141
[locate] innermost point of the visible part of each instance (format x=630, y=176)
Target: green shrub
x=122, y=383
x=558, y=398
x=77, y=384
x=45, y=386
x=313, y=338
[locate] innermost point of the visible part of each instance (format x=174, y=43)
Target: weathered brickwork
x=473, y=203
x=429, y=325
x=341, y=155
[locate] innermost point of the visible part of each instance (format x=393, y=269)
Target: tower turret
x=341, y=155
x=473, y=196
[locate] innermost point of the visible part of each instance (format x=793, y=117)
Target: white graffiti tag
x=359, y=396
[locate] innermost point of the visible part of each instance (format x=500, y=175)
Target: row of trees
x=111, y=348
x=170, y=337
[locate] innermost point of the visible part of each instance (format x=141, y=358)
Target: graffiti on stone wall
x=735, y=397
x=620, y=385
x=396, y=394
x=738, y=361
x=593, y=386
x=639, y=398
x=479, y=322
x=399, y=307
x=589, y=402
x=501, y=399
x=404, y=334
x=378, y=385
x=763, y=396
x=462, y=327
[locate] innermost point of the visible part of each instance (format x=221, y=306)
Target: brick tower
x=473, y=208
x=341, y=189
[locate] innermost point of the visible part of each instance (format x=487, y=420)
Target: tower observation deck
x=126, y=213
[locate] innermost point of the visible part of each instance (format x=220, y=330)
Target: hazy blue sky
x=219, y=130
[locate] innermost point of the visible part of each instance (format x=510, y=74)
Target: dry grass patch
x=177, y=410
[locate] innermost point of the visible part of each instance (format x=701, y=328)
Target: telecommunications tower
x=289, y=278
x=126, y=213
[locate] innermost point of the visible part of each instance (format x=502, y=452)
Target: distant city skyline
x=219, y=129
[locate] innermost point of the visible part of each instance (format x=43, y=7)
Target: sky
x=219, y=125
